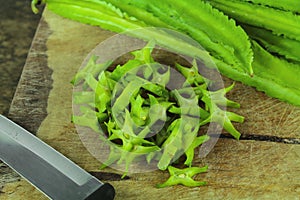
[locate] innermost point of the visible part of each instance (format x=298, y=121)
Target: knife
x=48, y=170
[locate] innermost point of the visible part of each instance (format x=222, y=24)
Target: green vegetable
x=183, y=177
x=271, y=69
x=135, y=112
x=191, y=149
x=278, y=31
x=278, y=21
x=224, y=49
x=285, y=47
x=153, y=122
x=101, y=13
x=234, y=48
x=218, y=115
x=286, y=5
x=107, y=16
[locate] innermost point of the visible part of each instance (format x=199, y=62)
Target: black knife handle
x=105, y=192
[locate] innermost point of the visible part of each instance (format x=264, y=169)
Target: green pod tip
x=35, y=3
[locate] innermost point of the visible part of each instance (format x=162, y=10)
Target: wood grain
x=245, y=169
x=28, y=107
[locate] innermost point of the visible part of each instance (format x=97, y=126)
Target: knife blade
x=48, y=170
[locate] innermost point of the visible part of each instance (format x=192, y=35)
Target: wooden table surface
x=264, y=164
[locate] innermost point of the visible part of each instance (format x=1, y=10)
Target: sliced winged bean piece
x=190, y=151
x=183, y=177
x=91, y=68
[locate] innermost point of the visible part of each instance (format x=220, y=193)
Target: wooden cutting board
x=264, y=164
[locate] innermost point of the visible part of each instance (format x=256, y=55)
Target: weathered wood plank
x=237, y=169
x=28, y=107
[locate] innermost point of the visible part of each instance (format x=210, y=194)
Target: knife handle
x=104, y=192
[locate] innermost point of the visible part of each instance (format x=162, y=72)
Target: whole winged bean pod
x=218, y=26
